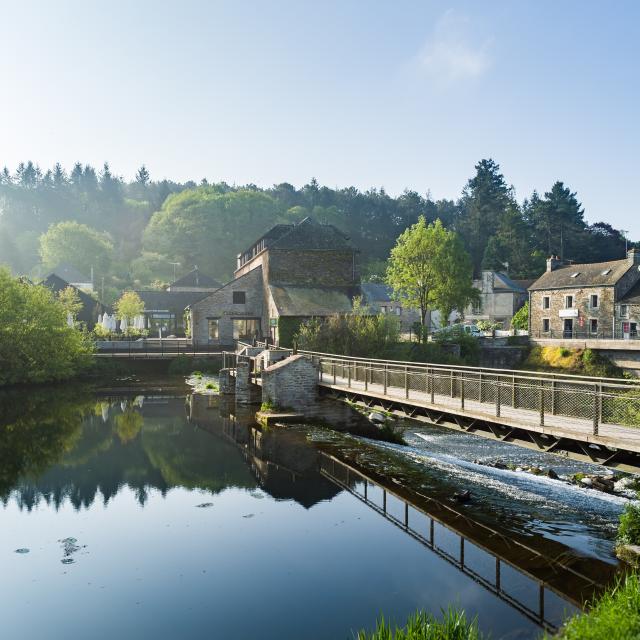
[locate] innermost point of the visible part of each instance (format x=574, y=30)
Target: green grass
x=453, y=625
x=615, y=616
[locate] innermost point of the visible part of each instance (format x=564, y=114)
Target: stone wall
x=220, y=305
x=291, y=383
x=313, y=268
x=581, y=302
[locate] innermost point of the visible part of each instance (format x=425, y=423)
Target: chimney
x=633, y=255
x=553, y=262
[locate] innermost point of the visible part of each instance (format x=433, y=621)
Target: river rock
x=462, y=496
x=378, y=417
x=624, y=483
x=519, y=469
x=552, y=474
x=588, y=482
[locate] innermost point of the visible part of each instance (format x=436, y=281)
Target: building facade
x=585, y=300
x=291, y=273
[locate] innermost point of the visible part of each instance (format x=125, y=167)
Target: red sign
x=625, y=327
x=581, y=321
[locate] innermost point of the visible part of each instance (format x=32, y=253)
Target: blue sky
x=394, y=94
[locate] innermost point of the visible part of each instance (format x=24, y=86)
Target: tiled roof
x=175, y=301
x=588, y=275
x=69, y=273
x=376, y=292
x=312, y=236
x=302, y=301
x=196, y=278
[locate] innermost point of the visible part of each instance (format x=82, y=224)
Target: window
x=246, y=328
x=546, y=302
x=624, y=311
x=546, y=325
x=213, y=328
x=477, y=307
x=398, y=311
x=568, y=302
x=383, y=309
x=594, y=301
x=593, y=325
x=239, y=297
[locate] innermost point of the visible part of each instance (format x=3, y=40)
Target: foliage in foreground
x=615, y=616
x=573, y=361
x=629, y=528
x=36, y=343
x=423, y=626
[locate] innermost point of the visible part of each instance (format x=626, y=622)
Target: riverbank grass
x=453, y=625
x=615, y=616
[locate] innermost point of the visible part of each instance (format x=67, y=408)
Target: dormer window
x=575, y=275
x=606, y=272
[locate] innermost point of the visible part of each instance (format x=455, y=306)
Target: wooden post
x=498, y=396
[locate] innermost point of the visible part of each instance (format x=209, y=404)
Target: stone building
x=379, y=298
x=291, y=273
x=628, y=314
x=500, y=298
x=585, y=300
x=164, y=309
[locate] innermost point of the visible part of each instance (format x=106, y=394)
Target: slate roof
x=196, y=278
x=91, y=307
x=68, y=273
x=175, y=301
x=302, y=301
x=376, y=292
x=633, y=296
x=595, y=274
x=502, y=282
x=311, y=235
x=525, y=284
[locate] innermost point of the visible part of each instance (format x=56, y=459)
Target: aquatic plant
x=423, y=626
x=629, y=527
x=389, y=433
x=615, y=616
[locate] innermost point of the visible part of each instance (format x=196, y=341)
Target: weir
x=588, y=419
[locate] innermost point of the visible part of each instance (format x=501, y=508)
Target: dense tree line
x=136, y=230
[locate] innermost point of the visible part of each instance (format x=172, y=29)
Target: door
x=568, y=328
x=626, y=330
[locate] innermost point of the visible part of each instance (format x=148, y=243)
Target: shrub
x=623, y=408
x=520, y=319
x=629, y=527
x=424, y=626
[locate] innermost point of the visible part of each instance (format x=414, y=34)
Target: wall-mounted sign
x=273, y=322
x=568, y=313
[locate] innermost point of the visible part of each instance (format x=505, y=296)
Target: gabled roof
x=57, y=284
x=503, y=282
x=254, y=273
x=594, y=274
x=69, y=273
x=633, y=296
x=376, y=292
x=159, y=300
x=303, y=301
x=196, y=278
x=311, y=235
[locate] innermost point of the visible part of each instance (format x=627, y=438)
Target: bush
x=520, y=319
x=629, y=528
x=469, y=346
x=423, y=626
x=623, y=408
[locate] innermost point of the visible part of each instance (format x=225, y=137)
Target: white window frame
x=591, y=332
x=548, y=321
x=573, y=300
x=623, y=311
x=597, y=304
x=546, y=302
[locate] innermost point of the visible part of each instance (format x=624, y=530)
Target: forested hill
x=131, y=233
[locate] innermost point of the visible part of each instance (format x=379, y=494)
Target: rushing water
x=176, y=517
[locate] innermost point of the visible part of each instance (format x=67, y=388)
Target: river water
x=176, y=516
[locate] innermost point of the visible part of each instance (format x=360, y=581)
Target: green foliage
x=36, y=344
x=487, y=325
x=77, y=244
x=268, y=406
x=70, y=300
x=573, y=361
x=623, y=408
x=615, y=616
x=354, y=334
x=288, y=327
x=520, y=318
x=456, y=335
x=129, y=307
x=430, y=269
x=629, y=527
x=389, y=433
x=453, y=625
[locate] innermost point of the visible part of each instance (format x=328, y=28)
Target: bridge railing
x=528, y=398
x=154, y=348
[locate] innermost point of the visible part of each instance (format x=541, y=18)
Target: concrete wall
x=220, y=305
x=290, y=383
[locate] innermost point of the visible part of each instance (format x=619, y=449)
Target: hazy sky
x=394, y=94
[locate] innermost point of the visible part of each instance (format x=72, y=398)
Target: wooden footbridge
x=589, y=419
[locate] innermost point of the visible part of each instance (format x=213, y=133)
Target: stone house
x=164, y=309
x=378, y=297
x=291, y=273
x=628, y=314
x=584, y=300
x=500, y=298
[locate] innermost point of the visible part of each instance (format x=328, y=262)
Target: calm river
x=177, y=517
